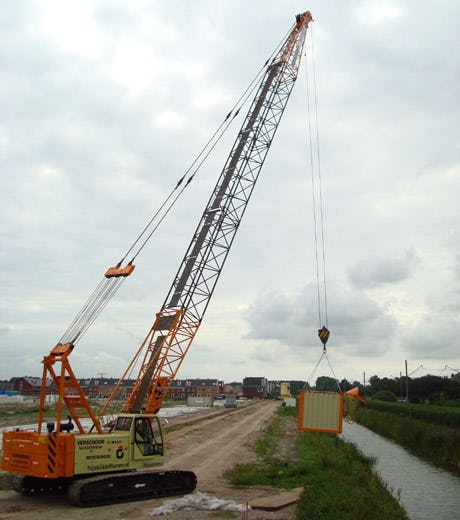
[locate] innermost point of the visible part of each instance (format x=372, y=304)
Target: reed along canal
x=425, y=492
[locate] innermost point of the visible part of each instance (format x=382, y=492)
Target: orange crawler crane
x=101, y=464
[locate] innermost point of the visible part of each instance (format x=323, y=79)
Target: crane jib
x=203, y=261
x=210, y=213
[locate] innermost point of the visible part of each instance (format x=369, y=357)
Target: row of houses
x=251, y=387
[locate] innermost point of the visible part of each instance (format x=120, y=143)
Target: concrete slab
x=277, y=501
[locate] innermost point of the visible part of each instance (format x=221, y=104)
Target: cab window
x=123, y=424
x=148, y=439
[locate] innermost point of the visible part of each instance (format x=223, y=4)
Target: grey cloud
x=433, y=337
x=4, y=330
x=355, y=320
x=379, y=271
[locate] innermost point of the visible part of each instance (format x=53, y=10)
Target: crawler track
x=125, y=487
x=113, y=488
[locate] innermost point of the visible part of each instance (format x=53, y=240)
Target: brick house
x=255, y=387
x=104, y=386
x=32, y=385
x=183, y=388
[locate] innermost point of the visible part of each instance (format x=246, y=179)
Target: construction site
x=122, y=447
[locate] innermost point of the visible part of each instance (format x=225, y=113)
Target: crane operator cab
x=145, y=433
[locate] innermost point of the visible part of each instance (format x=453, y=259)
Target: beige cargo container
x=320, y=411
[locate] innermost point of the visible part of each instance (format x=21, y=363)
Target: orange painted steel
x=38, y=455
x=117, y=271
x=69, y=391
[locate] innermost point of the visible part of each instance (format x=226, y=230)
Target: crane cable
x=108, y=287
x=318, y=211
x=318, y=214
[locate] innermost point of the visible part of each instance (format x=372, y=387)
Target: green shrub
x=385, y=395
x=439, y=415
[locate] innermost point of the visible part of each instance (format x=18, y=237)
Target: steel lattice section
x=202, y=264
x=210, y=258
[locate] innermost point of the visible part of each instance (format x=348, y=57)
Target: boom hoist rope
x=318, y=215
x=115, y=276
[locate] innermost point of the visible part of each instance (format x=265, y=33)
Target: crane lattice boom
x=182, y=312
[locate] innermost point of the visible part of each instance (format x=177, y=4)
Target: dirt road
x=208, y=447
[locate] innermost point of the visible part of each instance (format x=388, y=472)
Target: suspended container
x=320, y=411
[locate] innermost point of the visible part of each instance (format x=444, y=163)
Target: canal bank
x=425, y=492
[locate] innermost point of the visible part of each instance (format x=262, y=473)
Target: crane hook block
x=117, y=271
x=323, y=335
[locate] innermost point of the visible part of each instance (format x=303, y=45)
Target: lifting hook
x=323, y=336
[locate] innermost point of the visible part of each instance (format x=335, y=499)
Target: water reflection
x=426, y=492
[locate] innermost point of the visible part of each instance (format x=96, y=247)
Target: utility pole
x=407, y=385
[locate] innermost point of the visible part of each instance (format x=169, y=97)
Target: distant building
x=6, y=385
x=183, y=388
x=255, y=387
x=32, y=385
x=233, y=389
x=104, y=386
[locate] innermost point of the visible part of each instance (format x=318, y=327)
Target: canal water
x=425, y=492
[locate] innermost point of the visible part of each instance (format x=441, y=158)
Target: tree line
x=426, y=389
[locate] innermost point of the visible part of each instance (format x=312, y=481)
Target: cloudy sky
x=104, y=105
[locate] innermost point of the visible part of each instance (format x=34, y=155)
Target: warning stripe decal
x=52, y=454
